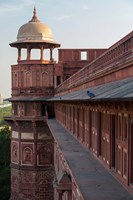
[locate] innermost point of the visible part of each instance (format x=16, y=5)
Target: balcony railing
x=118, y=54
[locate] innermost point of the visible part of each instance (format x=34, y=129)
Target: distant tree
x=3, y=123
x=5, y=147
x=5, y=163
x=5, y=183
x=5, y=111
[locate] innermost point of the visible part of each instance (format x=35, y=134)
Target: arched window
x=28, y=79
x=45, y=79
x=27, y=155
x=15, y=79
x=45, y=156
x=23, y=54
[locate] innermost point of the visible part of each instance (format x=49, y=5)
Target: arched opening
x=44, y=156
x=63, y=186
x=27, y=155
x=43, y=109
x=23, y=54
x=14, y=79
x=46, y=54
x=44, y=79
x=35, y=54
x=28, y=79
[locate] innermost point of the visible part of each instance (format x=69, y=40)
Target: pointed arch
x=45, y=155
x=28, y=155
x=28, y=79
x=44, y=77
x=15, y=79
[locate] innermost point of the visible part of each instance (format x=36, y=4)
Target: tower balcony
x=15, y=119
x=38, y=62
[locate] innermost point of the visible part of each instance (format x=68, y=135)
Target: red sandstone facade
x=72, y=60
x=103, y=126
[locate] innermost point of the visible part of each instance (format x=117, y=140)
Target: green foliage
x=5, y=111
x=5, y=183
x=5, y=147
x=3, y=123
x=4, y=154
x=5, y=164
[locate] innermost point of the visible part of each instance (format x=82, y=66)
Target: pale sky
x=75, y=24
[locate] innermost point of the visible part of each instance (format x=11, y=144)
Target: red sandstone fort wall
x=114, y=64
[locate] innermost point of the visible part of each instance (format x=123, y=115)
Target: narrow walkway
x=94, y=181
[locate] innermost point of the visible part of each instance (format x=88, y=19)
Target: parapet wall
x=114, y=64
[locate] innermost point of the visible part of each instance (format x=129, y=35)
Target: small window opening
x=23, y=54
x=35, y=54
x=43, y=109
x=58, y=80
x=83, y=55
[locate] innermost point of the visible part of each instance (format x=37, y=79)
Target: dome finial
x=34, y=11
x=34, y=18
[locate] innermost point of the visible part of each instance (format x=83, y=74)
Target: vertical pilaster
x=28, y=53
x=42, y=53
x=51, y=54
x=19, y=54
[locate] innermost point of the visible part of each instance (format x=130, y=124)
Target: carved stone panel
x=44, y=184
x=27, y=184
x=15, y=152
x=44, y=154
x=43, y=131
x=14, y=182
x=27, y=153
x=41, y=136
x=26, y=135
x=26, y=125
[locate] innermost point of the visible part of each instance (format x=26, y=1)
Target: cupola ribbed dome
x=35, y=30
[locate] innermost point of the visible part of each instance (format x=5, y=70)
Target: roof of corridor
x=117, y=90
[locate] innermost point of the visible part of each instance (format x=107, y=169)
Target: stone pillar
x=51, y=54
x=28, y=52
x=60, y=194
x=55, y=81
x=42, y=56
x=19, y=54
x=70, y=195
x=61, y=79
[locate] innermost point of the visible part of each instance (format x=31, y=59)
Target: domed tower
x=32, y=168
